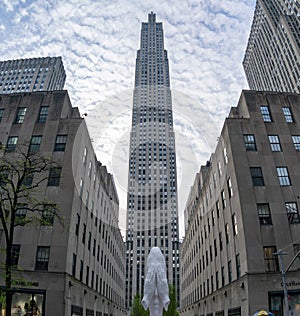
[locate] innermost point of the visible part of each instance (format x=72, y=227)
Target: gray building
x=77, y=268
x=32, y=74
x=272, y=57
x=152, y=218
x=244, y=207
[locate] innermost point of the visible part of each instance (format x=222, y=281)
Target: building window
x=1, y=114
x=60, y=143
x=229, y=272
x=84, y=155
x=27, y=182
x=20, y=115
x=43, y=114
x=265, y=112
x=283, y=176
x=74, y=264
x=15, y=252
x=227, y=233
x=271, y=261
x=84, y=233
x=225, y=155
x=42, y=258
x=296, y=141
x=11, y=143
x=230, y=190
x=54, y=176
x=77, y=224
x=257, y=176
x=35, y=144
x=234, y=224
x=264, y=215
x=81, y=271
x=223, y=199
x=292, y=212
x=274, y=142
x=238, y=265
x=287, y=114
x=250, y=144
x=48, y=215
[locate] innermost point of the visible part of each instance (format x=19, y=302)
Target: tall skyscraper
x=152, y=218
x=272, y=57
x=32, y=74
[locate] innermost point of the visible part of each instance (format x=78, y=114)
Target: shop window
x=27, y=303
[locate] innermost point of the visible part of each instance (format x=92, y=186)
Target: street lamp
x=280, y=253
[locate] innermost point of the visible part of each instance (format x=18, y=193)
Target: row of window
x=266, y=114
x=35, y=143
x=258, y=179
x=275, y=145
x=43, y=113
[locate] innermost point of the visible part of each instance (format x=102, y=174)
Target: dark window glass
x=257, y=176
x=264, y=214
x=48, y=215
x=54, y=176
x=42, y=258
x=271, y=261
x=15, y=252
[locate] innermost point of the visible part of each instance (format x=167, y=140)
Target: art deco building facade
x=77, y=268
x=152, y=184
x=32, y=74
x=272, y=57
x=243, y=208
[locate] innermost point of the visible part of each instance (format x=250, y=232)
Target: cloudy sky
x=98, y=39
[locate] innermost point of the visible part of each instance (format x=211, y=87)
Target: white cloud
x=98, y=42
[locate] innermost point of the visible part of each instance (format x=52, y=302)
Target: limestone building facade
x=77, y=268
x=242, y=209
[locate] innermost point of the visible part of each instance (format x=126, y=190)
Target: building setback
x=152, y=218
x=32, y=74
x=272, y=57
x=77, y=268
x=243, y=208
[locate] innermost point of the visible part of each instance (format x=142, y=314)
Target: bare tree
x=22, y=172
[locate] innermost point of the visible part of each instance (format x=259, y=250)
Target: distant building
x=243, y=208
x=77, y=268
x=32, y=74
x=152, y=216
x=272, y=57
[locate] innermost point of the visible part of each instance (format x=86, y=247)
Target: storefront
x=27, y=302
x=277, y=302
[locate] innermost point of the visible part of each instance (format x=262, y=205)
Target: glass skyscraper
x=272, y=57
x=152, y=216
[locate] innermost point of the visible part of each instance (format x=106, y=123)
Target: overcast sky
x=98, y=40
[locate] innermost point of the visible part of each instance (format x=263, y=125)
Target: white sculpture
x=156, y=288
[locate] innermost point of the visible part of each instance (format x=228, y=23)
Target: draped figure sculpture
x=156, y=288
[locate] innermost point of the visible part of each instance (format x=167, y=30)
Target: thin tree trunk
x=8, y=278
